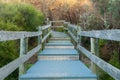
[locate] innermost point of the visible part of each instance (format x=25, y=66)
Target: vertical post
x=97, y=47
x=23, y=51
x=40, y=36
x=67, y=26
x=49, y=29
x=43, y=35
x=92, y=41
x=68, y=23
x=48, y=21
x=79, y=39
x=95, y=51
x=97, y=54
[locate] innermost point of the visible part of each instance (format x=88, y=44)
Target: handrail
x=111, y=70
x=9, y=68
x=46, y=26
x=46, y=30
x=72, y=29
x=73, y=37
x=46, y=37
x=102, y=34
x=96, y=34
x=13, y=35
x=24, y=55
x=73, y=26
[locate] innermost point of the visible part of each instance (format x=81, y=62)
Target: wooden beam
x=73, y=26
x=40, y=36
x=78, y=37
x=102, y=34
x=12, y=66
x=23, y=51
x=13, y=35
x=111, y=70
x=73, y=37
x=46, y=37
x=92, y=43
x=46, y=27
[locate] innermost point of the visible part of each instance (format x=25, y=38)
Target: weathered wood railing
x=92, y=55
x=46, y=31
x=76, y=34
x=24, y=54
x=55, y=24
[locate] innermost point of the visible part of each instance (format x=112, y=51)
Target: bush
x=20, y=17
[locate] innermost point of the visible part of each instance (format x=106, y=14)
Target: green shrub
x=19, y=17
x=112, y=58
x=16, y=17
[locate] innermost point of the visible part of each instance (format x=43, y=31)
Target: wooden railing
x=76, y=34
x=24, y=54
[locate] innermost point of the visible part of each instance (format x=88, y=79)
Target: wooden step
x=59, y=44
x=56, y=38
x=58, y=54
x=59, y=41
x=59, y=47
x=58, y=70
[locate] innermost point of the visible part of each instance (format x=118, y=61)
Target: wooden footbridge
x=60, y=57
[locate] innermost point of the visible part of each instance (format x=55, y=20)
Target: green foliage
x=115, y=60
x=102, y=42
x=8, y=52
x=31, y=17
x=104, y=76
x=60, y=29
x=20, y=17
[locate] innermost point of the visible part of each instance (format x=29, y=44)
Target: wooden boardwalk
x=59, y=61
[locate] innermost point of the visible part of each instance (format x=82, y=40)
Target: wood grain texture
x=13, y=35
x=73, y=37
x=9, y=68
x=46, y=27
x=111, y=70
x=73, y=26
x=102, y=34
x=46, y=37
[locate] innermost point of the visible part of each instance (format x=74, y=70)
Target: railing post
x=79, y=39
x=97, y=54
x=49, y=29
x=95, y=51
x=47, y=21
x=40, y=36
x=23, y=51
x=92, y=41
x=68, y=26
